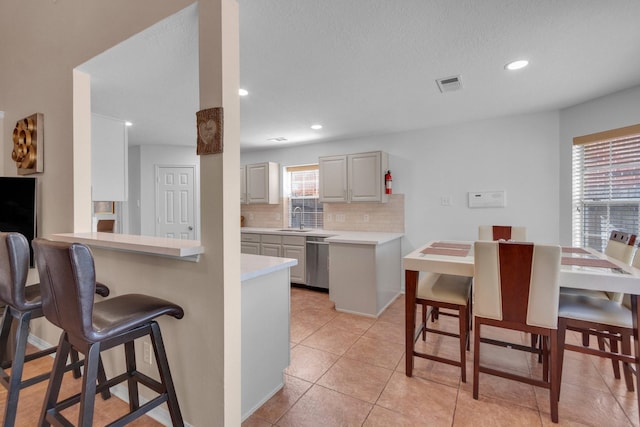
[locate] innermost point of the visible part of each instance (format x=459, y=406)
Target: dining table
x=582, y=268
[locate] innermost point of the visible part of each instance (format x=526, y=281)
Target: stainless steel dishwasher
x=317, y=262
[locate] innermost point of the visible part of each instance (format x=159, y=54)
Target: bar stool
x=67, y=274
x=502, y=232
x=516, y=287
x=451, y=292
x=23, y=303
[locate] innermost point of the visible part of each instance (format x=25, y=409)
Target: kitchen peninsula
x=265, y=306
x=364, y=267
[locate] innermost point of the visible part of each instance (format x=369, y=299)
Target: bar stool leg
x=55, y=382
x=5, y=328
x=130, y=356
x=17, y=367
x=88, y=396
x=463, y=331
x=626, y=350
x=165, y=375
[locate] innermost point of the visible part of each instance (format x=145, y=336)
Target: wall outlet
x=329, y=217
x=365, y=218
x=446, y=200
x=340, y=218
x=146, y=353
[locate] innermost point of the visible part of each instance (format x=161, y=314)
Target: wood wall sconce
x=28, y=140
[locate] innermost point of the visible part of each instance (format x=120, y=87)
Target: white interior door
x=175, y=205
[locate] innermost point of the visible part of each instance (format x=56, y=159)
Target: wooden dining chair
x=621, y=247
x=516, y=287
x=502, y=232
x=436, y=291
x=610, y=320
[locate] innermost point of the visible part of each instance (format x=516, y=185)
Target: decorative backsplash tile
x=384, y=217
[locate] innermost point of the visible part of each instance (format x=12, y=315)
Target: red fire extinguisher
x=387, y=182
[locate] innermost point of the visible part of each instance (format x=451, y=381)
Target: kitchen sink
x=296, y=230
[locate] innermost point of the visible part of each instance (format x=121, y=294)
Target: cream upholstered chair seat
x=595, y=310
x=444, y=288
x=502, y=232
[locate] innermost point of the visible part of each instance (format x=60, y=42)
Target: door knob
x=190, y=228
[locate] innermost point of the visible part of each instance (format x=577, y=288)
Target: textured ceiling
x=363, y=67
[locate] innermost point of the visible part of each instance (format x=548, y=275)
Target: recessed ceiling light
x=516, y=65
x=316, y=127
x=128, y=124
x=243, y=92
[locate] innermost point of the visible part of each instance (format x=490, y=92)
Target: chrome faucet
x=298, y=209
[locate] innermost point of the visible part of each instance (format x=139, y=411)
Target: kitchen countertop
x=253, y=266
x=163, y=246
x=333, y=236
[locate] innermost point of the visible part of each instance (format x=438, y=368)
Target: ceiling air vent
x=278, y=139
x=449, y=84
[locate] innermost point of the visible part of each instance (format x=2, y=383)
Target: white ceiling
x=362, y=67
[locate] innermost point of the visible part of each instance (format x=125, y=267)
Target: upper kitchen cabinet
x=262, y=183
x=109, y=170
x=353, y=177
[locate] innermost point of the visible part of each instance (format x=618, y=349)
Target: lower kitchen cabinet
x=364, y=278
x=279, y=246
x=294, y=247
x=271, y=245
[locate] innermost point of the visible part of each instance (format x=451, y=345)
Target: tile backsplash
x=387, y=217
x=384, y=217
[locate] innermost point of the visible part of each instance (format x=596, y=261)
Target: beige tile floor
x=348, y=370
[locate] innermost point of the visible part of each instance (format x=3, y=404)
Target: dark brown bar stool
x=67, y=280
x=23, y=303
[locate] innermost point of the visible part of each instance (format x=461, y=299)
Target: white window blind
x=606, y=186
x=303, y=187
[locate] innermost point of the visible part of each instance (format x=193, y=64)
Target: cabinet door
x=270, y=249
x=243, y=184
x=250, y=248
x=297, y=272
x=365, y=177
x=257, y=190
x=333, y=179
x=263, y=183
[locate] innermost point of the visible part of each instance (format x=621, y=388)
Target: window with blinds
x=606, y=186
x=302, y=184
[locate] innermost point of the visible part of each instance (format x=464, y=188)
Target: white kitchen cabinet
x=109, y=159
x=294, y=247
x=243, y=184
x=250, y=248
x=271, y=245
x=280, y=246
x=364, y=278
x=250, y=243
x=262, y=183
x=353, y=177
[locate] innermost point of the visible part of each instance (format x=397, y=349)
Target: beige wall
x=42, y=41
